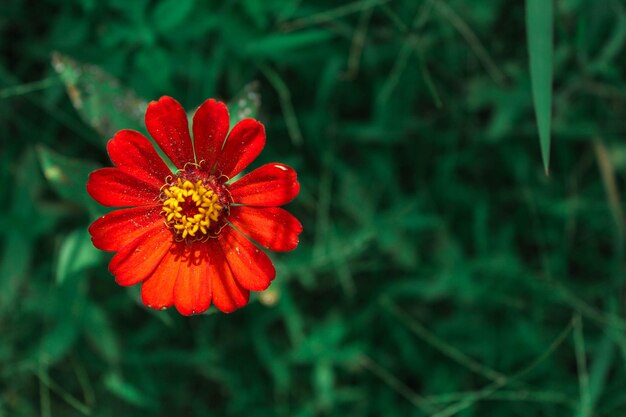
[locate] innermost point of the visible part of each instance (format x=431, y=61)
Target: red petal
x=267, y=186
x=227, y=294
x=250, y=266
x=271, y=227
x=133, y=153
x=158, y=290
x=210, y=127
x=192, y=292
x=167, y=123
x=140, y=258
x=115, y=188
x=117, y=229
x=244, y=144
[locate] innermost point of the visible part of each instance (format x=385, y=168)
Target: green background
x=440, y=272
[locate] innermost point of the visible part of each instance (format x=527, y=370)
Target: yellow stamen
x=190, y=208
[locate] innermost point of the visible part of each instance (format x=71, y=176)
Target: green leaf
x=279, y=44
x=170, y=13
x=324, y=382
x=612, y=46
x=100, y=331
x=246, y=104
x=539, y=22
x=59, y=341
x=76, y=254
x=67, y=176
x=126, y=391
x=99, y=98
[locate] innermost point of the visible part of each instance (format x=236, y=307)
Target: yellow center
x=190, y=208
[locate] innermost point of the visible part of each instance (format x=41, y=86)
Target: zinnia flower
x=185, y=235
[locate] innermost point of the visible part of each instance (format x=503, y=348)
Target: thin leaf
x=101, y=332
x=76, y=254
x=604, y=356
x=539, y=22
x=127, y=392
x=274, y=46
x=581, y=364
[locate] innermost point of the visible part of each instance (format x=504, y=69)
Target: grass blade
x=539, y=30
x=581, y=364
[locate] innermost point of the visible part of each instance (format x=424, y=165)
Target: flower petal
x=115, y=188
x=271, y=227
x=251, y=267
x=227, y=294
x=133, y=153
x=167, y=123
x=210, y=127
x=192, y=292
x=158, y=290
x=243, y=145
x=117, y=229
x=270, y=185
x=139, y=259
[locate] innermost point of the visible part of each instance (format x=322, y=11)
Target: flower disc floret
x=190, y=208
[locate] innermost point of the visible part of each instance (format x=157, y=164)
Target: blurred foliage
x=440, y=271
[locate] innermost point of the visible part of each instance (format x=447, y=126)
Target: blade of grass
x=55, y=112
x=450, y=351
x=411, y=43
x=332, y=14
x=344, y=273
x=612, y=192
x=358, y=42
x=284, y=95
x=84, y=382
x=539, y=22
x=496, y=386
x=394, y=18
x=472, y=40
x=472, y=398
x=565, y=296
x=21, y=89
x=414, y=398
x=601, y=364
x=44, y=395
x=619, y=339
x=64, y=395
x=581, y=364
x=524, y=395
x=322, y=229
x=615, y=43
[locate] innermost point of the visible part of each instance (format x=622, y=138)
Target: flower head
x=186, y=235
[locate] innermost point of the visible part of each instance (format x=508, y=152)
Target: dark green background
x=440, y=271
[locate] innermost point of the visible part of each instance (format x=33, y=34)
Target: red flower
x=185, y=235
